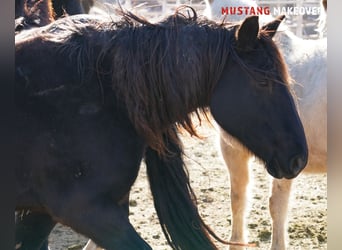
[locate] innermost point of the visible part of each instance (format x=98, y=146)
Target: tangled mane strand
x=161, y=75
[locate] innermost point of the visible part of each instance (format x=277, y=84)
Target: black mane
x=169, y=62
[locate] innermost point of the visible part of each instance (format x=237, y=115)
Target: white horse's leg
x=91, y=246
x=236, y=158
x=279, y=201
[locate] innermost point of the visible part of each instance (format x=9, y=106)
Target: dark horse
x=38, y=13
x=94, y=97
x=71, y=7
x=32, y=14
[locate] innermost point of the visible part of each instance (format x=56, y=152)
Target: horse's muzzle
x=295, y=165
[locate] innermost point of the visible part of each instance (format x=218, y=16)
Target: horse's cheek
x=223, y=111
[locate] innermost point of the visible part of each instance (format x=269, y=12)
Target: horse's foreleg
x=278, y=209
x=236, y=158
x=107, y=225
x=91, y=245
x=32, y=230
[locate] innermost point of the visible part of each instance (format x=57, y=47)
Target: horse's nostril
x=297, y=164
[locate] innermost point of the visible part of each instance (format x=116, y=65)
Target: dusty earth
x=307, y=224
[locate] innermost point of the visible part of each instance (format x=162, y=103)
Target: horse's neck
x=296, y=49
x=308, y=66
x=287, y=42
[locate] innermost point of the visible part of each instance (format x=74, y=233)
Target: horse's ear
x=247, y=33
x=272, y=27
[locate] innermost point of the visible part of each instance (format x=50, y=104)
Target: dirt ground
x=307, y=218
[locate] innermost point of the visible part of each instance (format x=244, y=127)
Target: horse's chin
x=275, y=172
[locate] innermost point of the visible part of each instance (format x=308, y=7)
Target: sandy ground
x=307, y=218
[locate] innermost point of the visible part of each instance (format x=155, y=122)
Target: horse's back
x=63, y=27
x=60, y=48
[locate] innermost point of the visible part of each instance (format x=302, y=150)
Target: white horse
x=307, y=61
